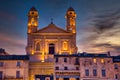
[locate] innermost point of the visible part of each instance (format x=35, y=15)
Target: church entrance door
x=51, y=48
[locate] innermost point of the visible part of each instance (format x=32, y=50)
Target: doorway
x=51, y=48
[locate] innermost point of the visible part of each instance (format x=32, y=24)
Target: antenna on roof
x=51, y=20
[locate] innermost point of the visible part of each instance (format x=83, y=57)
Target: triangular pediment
x=52, y=28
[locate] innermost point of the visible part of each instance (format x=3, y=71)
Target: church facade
x=51, y=54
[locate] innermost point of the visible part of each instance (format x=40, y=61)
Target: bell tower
x=32, y=20
x=71, y=20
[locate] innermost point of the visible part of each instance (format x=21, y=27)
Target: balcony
x=13, y=78
x=69, y=70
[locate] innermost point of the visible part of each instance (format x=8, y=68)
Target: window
x=65, y=45
x=94, y=60
x=1, y=74
x=103, y=72
x=116, y=76
x=94, y=72
x=37, y=47
x=65, y=78
x=17, y=74
x=77, y=68
x=51, y=48
x=77, y=61
x=32, y=21
x=56, y=60
x=65, y=68
x=18, y=64
x=115, y=66
x=102, y=61
x=77, y=78
x=65, y=59
x=87, y=72
x=56, y=68
x=57, y=78
x=1, y=64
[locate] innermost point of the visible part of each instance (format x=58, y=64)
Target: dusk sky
x=98, y=23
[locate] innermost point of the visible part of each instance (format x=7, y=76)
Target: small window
x=87, y=72
x=17, y=74
x=77, y=61
x=57, y=78
x=103, y=72
x=65, y=68
x=94, y=72
x=18, y=64
x=77, y=79
x=56, y=68
x=77, y=68
x=1, y=64
x=115, y=66
x=116, y=76
x=47, y=78
x=65, y=59
x=1, y=74
x=32, y=12
x=56, y=60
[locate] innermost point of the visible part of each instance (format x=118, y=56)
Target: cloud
x=12, y=44
x=103, y=35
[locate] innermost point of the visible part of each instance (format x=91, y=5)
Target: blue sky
x=94, y=35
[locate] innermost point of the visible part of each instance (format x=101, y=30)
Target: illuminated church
x=51, y=40
x=52, y=55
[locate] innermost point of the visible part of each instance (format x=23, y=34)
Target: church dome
x=70, y=9
x=33, y=9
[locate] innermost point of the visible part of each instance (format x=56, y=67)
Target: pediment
x=52, y=28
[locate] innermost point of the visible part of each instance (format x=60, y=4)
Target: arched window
x=65, y=45
x=32, y=21
x=37, y=48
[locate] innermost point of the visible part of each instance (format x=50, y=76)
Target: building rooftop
x=83, y=55
x=14, y=57
x=116, y=58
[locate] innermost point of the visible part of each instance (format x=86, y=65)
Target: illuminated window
x=32, y=21
x=37, y=48
x=94, y=60
x=65, y=45
x=102, y=60
x=47, y=78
